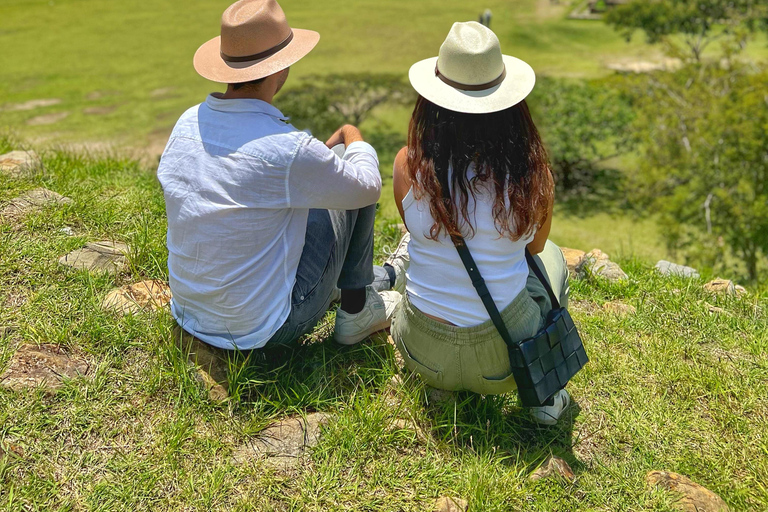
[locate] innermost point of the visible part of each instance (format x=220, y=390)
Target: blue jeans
x=337, y=254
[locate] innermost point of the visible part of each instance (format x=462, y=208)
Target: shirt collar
x=242, y=105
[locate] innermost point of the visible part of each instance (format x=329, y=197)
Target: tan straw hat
x=471, y=75
x=256, y=41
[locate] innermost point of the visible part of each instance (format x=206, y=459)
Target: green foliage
x=705, y=165
x=583, y=125
x=322, y=103
x=700, y=22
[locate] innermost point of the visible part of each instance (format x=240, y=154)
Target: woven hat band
x=262, y=55
x=466, y=87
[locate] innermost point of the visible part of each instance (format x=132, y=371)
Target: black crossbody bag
x=542, y=365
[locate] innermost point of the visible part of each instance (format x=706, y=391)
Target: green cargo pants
x=476, y=358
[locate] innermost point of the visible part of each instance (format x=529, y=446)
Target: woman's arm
x=540, y=238
x=401, y=180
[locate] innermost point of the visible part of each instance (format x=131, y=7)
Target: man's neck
x=263, y=94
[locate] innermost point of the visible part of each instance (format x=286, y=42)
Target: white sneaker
x=399, y=260
x=549, y=414
x=375, y=316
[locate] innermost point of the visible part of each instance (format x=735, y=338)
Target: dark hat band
x=259, y=56
x=465, y=87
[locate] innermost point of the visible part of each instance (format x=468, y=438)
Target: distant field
x=123, y=70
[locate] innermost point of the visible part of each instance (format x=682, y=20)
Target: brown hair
x=507, y=153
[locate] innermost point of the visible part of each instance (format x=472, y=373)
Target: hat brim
x=209, y=64
x=516, y=86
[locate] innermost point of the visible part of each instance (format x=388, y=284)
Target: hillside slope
x=680, y=384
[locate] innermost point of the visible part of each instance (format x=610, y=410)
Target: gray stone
x=16, y=163
x=98, y=256
x=693, y=497
x=597, y=263
x=34, y=200
x=283, y=445
x=446, y=504
x=667, y=268
x=43, y=366
x=553, y=467
x=151, y=295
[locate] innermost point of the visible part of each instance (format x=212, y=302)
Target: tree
x=705, y=165
x=698, y=22
x=583, y=125
x=323, y=103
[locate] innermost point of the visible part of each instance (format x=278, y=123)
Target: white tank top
x=437, y=282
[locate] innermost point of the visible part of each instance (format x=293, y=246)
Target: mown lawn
x=671, y=387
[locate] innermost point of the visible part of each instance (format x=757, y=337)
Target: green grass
x=133, y=59
x=672, y=387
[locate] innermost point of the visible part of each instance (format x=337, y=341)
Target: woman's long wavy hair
x=507, y=154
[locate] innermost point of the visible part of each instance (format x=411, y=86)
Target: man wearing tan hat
x=265, y=221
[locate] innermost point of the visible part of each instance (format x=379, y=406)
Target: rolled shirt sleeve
x=318, y=178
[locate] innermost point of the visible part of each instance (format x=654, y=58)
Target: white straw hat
x=471, y=75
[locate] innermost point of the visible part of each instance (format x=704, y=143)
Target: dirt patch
x=31, y=105
x=48, y=119
x=644, y=66
x=47, y=365
x=99, y=111
x=163, y=92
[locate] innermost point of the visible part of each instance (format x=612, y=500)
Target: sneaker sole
x=357, y=338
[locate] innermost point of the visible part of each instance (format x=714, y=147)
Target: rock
x=46, y=366
x=48, y=119
x=15, y=163
x=599, y=264
x=450, y=505
x=695, y=498
x=573, y=258
x=31, y=105
x=216, y=392
x=98, y=256
x=553, y=467
x=740, y=290
x=619, y=308
x=282, y=445
x=667, y=268
x=721, y=286
x=34, y=200
x=135, y=298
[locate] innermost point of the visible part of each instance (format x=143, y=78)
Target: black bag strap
x=485, y=295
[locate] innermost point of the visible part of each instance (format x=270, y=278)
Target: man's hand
x=346, y=135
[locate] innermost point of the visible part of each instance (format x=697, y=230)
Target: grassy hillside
x=123, y=70
x=672, y=387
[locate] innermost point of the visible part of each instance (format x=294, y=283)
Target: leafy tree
x=705, y=160
x=583, y=125
x=323, y=103
x=699, y=22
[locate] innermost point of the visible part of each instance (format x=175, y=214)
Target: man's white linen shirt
x=239, y=181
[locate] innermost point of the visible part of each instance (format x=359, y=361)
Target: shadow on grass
x=323, y=376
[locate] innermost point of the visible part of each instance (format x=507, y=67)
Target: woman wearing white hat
x=474, y=167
